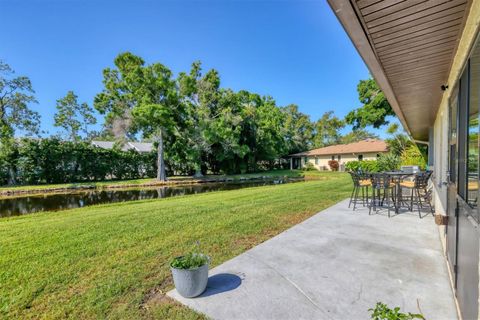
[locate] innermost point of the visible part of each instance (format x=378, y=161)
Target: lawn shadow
x=221, y=282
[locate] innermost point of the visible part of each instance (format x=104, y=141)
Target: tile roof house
x=368, y=149
x=142, y=147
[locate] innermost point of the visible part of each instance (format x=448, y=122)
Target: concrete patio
x=335, y=265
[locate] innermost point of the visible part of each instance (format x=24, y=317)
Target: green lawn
x=100, y=184
x=111, y=261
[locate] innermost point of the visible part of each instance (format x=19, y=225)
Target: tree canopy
x=358, y=135
x=327, y=130
x=73, y=117
x=375, y=107
x=197, y=125
x=16, y=94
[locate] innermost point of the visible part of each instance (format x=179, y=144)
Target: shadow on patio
x=335, y=265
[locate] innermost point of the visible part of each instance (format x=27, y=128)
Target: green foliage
x=412, y=156
x=143, y=98
x=398, y=140
x=73, y=117
x=327, y=130
x=383, y=312
x=16, y=93
x=375, y=107
x=358, y=135
x=56, y=161
x=309, y=167
x=388, y=162
x=298, y=130
x=364, y=165
x=191, y=260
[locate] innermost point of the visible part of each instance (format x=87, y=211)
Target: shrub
x=412, y=156
x=55, y=161
x=388, y=162
x=353, y=166
x=383, y=312
x=364, y=165
x=333, y=164
x=309, y=167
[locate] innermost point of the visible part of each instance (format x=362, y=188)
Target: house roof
x=369, y=145
x=137, y=146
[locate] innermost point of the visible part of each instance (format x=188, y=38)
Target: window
x=333, y=157
x=305, y=160
x=473, y=129
x=316, y=161
x=452, y=137
x=360, y=157
x=378, y=155
x=339, y=157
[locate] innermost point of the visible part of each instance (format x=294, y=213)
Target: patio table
x=397, y=177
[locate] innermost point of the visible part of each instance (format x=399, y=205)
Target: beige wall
x=441, y=125
x=322, y=161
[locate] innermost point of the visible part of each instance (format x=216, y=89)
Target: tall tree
x=73, y=117
x=147, y=95
x=118, y=98
x=375, y=107
x=358, y=135
x=327, y=130
x=200, y=94
x=158, y=109
x=16, y=93
x=298, y=129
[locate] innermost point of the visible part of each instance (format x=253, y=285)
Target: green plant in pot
x=190, y=273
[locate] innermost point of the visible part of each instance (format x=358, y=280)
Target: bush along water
x=38, y=161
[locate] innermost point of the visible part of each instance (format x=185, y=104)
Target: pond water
x=15, y=206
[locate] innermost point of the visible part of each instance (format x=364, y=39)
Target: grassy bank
x=111, y=261
x=149, y=181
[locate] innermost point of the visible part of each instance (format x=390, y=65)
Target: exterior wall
x=322, y=161
x=441, y=124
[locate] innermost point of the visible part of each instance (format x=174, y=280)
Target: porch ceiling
x=409, y=47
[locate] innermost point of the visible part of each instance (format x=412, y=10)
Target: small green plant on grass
x=191, y=260
x=383, y=312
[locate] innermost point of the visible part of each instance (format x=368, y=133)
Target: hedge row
x=32, y=161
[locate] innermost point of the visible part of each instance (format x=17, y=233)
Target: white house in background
x=142, y=147
x=368, y=149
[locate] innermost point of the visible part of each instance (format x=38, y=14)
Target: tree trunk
x=198, y=165
x=161, y=175
x=12, y=176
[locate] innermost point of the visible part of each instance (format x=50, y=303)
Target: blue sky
x=295, y=51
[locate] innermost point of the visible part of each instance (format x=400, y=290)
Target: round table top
x=399, y=173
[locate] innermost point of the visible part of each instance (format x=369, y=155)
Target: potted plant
x=190, y=274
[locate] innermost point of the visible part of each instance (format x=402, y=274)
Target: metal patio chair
x=420, y=194
x=382, y=190
x=361, y=182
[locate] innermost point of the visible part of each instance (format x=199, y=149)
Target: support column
x=291, y=163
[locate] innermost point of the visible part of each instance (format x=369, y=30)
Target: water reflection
x=61, y=201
